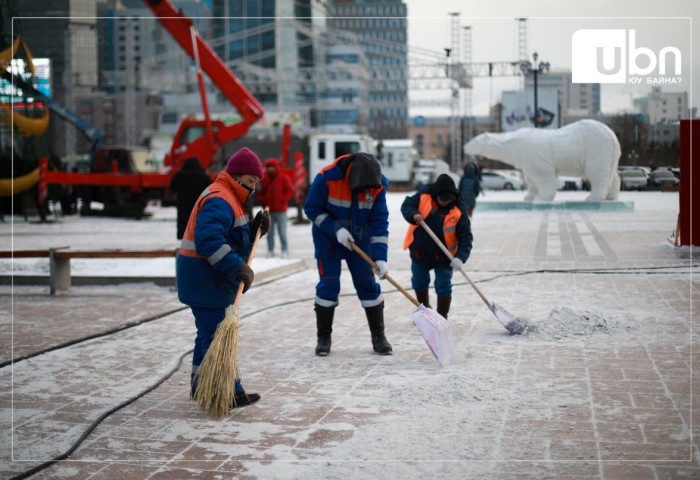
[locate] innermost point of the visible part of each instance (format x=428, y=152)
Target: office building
x=574, y=98
x=381, y=27
x=662, y=111
x=64, y=32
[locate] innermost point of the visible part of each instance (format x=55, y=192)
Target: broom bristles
x=217, y=373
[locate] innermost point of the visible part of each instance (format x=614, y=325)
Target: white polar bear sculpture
x=586, y=148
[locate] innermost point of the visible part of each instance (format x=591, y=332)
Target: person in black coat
x=441, y=208
x=470, y=186
x=187, y=184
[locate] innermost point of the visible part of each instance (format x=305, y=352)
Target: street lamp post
x=534, y=69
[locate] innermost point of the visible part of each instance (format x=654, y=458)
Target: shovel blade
x=437, y=334
x=507, y=319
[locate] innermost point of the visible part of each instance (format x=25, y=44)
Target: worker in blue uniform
x=211, y=262
x=347, y=203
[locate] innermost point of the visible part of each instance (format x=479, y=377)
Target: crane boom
x=178, y=25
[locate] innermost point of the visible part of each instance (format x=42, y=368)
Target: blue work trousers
x=328, y=288
x=206, y=320
x=420, y=279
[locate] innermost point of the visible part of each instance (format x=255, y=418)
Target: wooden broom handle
x=386, y=275
x=451, y=257
x=253, y=248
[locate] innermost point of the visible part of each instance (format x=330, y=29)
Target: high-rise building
x=574, y=98
x=662, y=112
x=139, y=59
x=135, y=51
x=381, y=26
x=343, y=104
x=64, y=32
x=270, y=46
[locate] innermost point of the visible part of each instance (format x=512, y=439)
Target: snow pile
x=566, y=323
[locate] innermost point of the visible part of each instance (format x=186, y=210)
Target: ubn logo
x=612, y=56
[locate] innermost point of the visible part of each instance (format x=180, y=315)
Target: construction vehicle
x=324, y=148
x=194, y=138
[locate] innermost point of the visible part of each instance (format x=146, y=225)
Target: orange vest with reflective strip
x=218, y=189
x=449, y=226
x=339, y=193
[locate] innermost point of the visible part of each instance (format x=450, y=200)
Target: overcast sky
x=551, y=25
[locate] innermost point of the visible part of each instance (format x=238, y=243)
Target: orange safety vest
x=216, y=190
x=340, y=195
x=428, y=206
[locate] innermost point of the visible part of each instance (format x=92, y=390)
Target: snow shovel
x=507, y=319
x=433, y=327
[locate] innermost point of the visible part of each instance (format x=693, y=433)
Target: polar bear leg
x=531, y=190
x=547, y=187
x=614, y=188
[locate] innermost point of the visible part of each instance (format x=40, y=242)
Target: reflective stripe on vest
x=340, y=195
x=188, y=247
x=427, y=207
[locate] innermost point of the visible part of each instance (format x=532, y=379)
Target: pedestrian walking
x=439, y=206
x=275, y=192
x=347, y=203
x=187, y=184
x=470, y=187
x=215, y=247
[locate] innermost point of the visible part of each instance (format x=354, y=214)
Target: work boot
x=244, y=399
x=443, y=305
x=423, y=296
x=324, y=328
x=193, y=381
x=375, y=318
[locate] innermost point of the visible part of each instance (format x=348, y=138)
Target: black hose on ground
x=94, y=424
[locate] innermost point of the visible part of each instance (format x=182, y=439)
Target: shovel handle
x=253, y=248
x=451, y=257
x=361, y=253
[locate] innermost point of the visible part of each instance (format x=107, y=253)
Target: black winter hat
x=365, y=172
x=444, y=188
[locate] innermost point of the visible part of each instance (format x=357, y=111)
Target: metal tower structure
x=467, y=99
x=522, y=44
x=453, y=63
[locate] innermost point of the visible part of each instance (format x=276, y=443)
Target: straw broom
x=217, y=373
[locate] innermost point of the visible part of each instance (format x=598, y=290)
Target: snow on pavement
x=599, y=385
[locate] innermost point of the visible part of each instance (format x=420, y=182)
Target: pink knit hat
x=245, y=162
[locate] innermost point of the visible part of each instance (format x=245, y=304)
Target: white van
x=324, y=148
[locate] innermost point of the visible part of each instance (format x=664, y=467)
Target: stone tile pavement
x=600, y=386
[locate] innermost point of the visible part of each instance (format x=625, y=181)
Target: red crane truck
x=194, y=138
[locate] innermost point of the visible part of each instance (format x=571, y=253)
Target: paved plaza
x=599, y=386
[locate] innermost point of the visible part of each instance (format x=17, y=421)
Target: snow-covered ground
x=158, y=232
x=599, y=386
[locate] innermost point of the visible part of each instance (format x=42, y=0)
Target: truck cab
x=324, y=148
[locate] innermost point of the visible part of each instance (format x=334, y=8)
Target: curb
x=43, y=280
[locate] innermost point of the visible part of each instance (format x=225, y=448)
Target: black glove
x=246, y=275
x=262, y=221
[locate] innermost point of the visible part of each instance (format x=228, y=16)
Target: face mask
x=250, y=190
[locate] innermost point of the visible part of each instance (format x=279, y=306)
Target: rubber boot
x=423, y=296
x=375, y=318
x=443, y=305
x=324, y=328
x=193, y=381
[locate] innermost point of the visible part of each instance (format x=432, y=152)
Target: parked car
x=663, y=177
x=632, y=180
x=646, y=171
x=569, y=183
x=424, y=176
x=497, y=181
